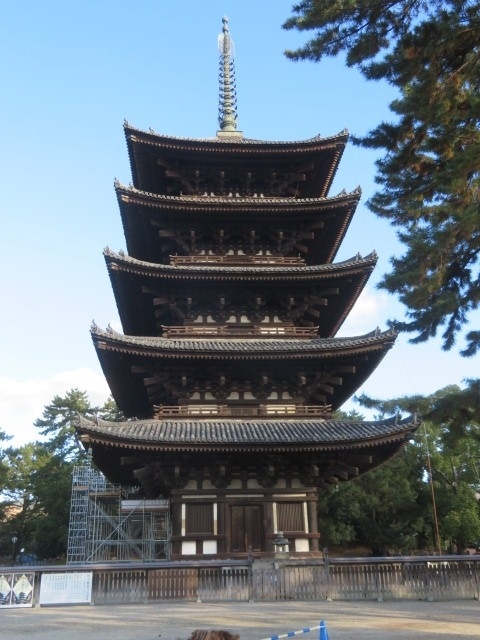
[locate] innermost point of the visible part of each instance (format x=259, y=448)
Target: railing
x=286, y=410
x=248, y=331
x=238, y=260
x=417, y=578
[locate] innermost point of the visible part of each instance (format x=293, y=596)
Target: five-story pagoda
x=228, y=368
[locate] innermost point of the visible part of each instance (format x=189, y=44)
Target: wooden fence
x=373, y=579
x=425, y=578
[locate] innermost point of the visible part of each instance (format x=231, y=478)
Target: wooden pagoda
x=228, y=368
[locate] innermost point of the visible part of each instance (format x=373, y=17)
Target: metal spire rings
x=227, y=105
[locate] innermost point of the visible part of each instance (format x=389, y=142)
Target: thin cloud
x=371, y=310
x=23, y=401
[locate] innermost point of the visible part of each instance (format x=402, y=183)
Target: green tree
x=53, y=480
x=57, y=423
x=53, y=488
x=3, y=466
x=110, y=411
x=58, y=419
x=19, y=496
x=430, y=175
x=5, y=504
x=382, y=510
x=449, y=440
x=36, y=478
x=453, y=410
x=36, y=497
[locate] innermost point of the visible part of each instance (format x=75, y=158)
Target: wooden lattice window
x=199, y=518
x=290, y=516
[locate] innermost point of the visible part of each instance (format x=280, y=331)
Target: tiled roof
x=244, y=202
x=224, y=270
x=276, y=433
x=247, y=347
x=162, y=139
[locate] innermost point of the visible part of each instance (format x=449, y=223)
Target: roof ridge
x=341, y=195
x=237, y=141
x=257, y=433
x=266, y=344
x=225, y=268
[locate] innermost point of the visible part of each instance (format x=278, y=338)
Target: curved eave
x=158, y=347
x=246, y=435
x=218, y=204
x=122, y=262
x=119, y=356
x=226, y=145
x=130, y=278
x=138, y=209
x=145, y=147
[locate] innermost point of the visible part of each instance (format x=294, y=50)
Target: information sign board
x=66, y=588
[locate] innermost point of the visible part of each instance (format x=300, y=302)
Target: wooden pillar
x=313, y=520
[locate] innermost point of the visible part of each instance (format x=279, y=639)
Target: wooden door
x=246, y=527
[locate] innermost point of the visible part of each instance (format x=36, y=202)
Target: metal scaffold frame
x=108, y=525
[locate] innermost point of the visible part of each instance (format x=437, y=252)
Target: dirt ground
x=399, y=620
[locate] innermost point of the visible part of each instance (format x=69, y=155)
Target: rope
x=322, y=626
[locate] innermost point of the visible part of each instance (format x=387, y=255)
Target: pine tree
x=57, y=422
x=429, y=176
x=36, y=478
x=382, y=510
x=450, y=439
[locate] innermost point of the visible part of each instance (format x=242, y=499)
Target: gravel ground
x=399, y=620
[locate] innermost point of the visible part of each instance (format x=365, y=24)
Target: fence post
x=378, y=585
x=326, y=573
x=252, y=595
x=428, y=582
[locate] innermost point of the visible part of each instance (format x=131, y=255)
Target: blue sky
x=70, y=74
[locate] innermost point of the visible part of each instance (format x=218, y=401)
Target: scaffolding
x=108, y=525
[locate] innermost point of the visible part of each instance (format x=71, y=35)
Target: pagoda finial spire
x=227, y=105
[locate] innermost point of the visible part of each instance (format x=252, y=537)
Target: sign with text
x=66, y=588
